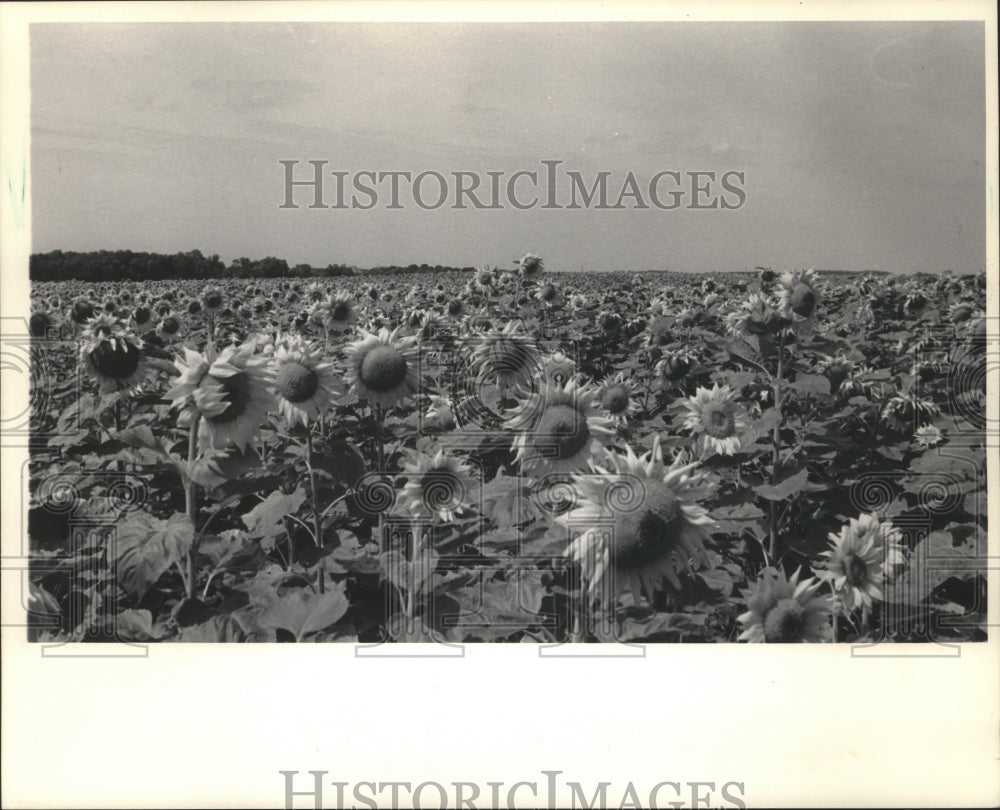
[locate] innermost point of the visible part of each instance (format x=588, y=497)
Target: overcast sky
x=862, y=144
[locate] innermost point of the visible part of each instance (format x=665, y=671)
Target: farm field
x=510, y=455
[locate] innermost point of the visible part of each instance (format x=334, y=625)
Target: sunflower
x=113, y=361
x=40, y=323
x=438, y=486
x=383, y=367
x=304, y=384
x=509, y=357
x=928, y=436
x=338, y=313
x=483, y=280
x=756, y=316
x=230, y=391
x=904, y=412
x=799, y=296
x=675, y=365
x=635, y=524
x=859, y=560
x=212, y=299
x=103, y=327
x=439, y=413
x=716, y=419
x=529, y=265
x=559, y=428
x=785, y=610
x=81, y=311
x=617, y=397
x=548, y=295
x=169, y=327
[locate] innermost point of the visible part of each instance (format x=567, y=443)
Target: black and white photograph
x=612, y=343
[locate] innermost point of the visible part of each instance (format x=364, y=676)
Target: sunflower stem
x=776, y=444
x=191, y=505
x=313, y=500
x=379, y=416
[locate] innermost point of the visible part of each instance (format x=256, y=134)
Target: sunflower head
x=559, y=428
x=383, y=367
x=114, y=361
x=304, y=384
x=530, y=265
x=860, y=559
x=715, y=417
x=799, y=294
x=230, y=392
x=212, y=298
x=783, y=610
x=81, y=311
x=635, y=524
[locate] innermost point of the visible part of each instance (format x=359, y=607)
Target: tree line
x=124, y=265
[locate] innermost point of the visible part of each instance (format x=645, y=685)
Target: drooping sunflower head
x=305, y=385
x=383, y=367
x=716, y=419
x=906, y=412
x=783, y=610
x=559, y=428
x=635, y=524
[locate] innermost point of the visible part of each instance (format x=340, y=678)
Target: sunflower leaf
x=147, y=546
x=266, y=518
x=785, y=488
x=302, y=612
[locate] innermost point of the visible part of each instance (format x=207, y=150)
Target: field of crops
x=510, y=455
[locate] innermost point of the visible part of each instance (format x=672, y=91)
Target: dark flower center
x=565, y=428
x=548, y=293
x=213, y=300
x=296, y=383
x=382, y=369
x=237, y=393
x=118, y=361
x=802, y=299
x=648, y=533
x=340, y=311
x=856, y=569
x=455, y=307
x=676, y=368
x=141, y=315
x=615, y=400
x=719, y=421
x=170, y=325
x=784, y=622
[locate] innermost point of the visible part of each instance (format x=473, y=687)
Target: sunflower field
x=509, y=455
